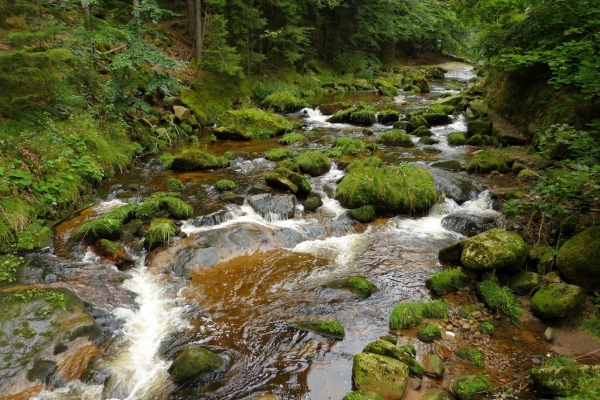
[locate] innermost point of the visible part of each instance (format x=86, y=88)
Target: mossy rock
x=362, y=395
x=363, y=214
x=114, y=252
x=527, y=176
x=524, y=283
x=400, y=125
x=422, y=132
x=494, y=249
x=355, y=284
x=557, y=300
x=433, y=366
x=440, y=118
x=478, y=127
x=422, y=84
x=195, y=160
x=403, y=189
x=415, y=122
x=429, y=333
x=396, y=137
x=361, y=115
x=279, y=154
x=42, y=371
x=387, y=349
x=331, y=329
x=167, y=202
x=174, y=185
x=578, y=260
x=251, y=123
x=313, y=162
x=467, y=387
x=476, y=140
x=446, y=281
x=439, y=394
x=456, y=139
x=284, y=102
x=35, y=237
x=488, y=161
x=386, y=87
x=224, y=185
x=388, y=116
x=384, y=375
x=103, y=228
x=312, y=203
x=410, y=314
x=193, y=362
x=427, y=140
x=499, y=299
x=560, y=381
x=450, y=101
x=160, y=232
x=291, y=138
x=452, y=252
x=517, y=167
x=278, y=181
x=544, y=257
x=470, y=355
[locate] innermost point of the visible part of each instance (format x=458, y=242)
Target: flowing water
x=240, y=306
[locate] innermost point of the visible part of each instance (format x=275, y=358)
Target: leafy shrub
x=9, y=265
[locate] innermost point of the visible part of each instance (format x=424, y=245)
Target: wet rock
x=355, y=284
x=452, y=165
x=212, y=217
x=194, y=362
x=277, y=181
x=557, y=300
x=297, y=179
x=437, y=118
x=456, y=139
x=384, y=375
x=452, y=252
x=434, y=366
x=439, y=394
x=194, y=159
x=494, y=249
x=312, y=203
x=466, y=387
x=524, y=283
x=429, y=333
x=517, y=167
x=273, y=207
x=549, y=335
x=478, y=127
x=362, y=395
x=115, y=253
x=488, y=161
x=234, y=198
x=422, y=131
x=385, y=348
x=363, y=214
x=578, y=259
x=416, y=122
x=426, y=140
x=388, y=116
x=471, y=223
x=43, y=371
x=400, y=125
x=457, y=187
x=331, y=329
x=551, y=382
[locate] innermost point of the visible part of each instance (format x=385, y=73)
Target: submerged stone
x=355, y=284
x=193, y=362
x=471, y=223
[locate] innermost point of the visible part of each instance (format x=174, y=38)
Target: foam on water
x=341, y=250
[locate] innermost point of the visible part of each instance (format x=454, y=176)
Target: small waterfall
x=315, y=114
x=218, y=217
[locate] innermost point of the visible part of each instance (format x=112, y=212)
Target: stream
x=266, y=271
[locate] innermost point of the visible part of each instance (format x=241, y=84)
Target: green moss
x=500, y=299
x=577, y=259
x=362, y=395
x=488, y=161
x=403, y=189
x=251, y=123
x=361, y=115
x=402, y=354
x=297, y=179
x=429, y=333
x=313, y=162
x=284, y=102
x=196, y=159
x=494, y=249
x=387, y=86
x=9, y=265
x=355, y=284
x=109, y=245
x=193, y=362
x=385, y=375
x=471, y=386
x=471, y=355
x=326, y=328
x=35, y=236
x=411, y=314
x=396, y=137
x=160, y=232
x=124, y=213
x=362, y=214
x=465, y=312
x=446, y=281
x=557, y=300
x=107, y=228
x=225, y=184
x=388, y=116
x=279, y=154
x=291, y=138
x=456, y=139
x=174, y=185
x=166, y=159
x=169, y=202
x=348, y=146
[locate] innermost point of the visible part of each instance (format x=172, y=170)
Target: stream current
x=238, y=305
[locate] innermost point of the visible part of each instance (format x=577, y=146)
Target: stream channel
x=241, y=275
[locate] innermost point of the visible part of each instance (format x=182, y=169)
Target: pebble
x=449, y=327
x=476, y=314
x=450, y=335
x=466, y=326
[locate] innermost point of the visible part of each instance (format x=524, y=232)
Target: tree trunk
x=191, y=18
x=199, y=33
x=136, y=12
x=86, y=16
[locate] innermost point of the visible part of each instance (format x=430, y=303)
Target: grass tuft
x=411, y=314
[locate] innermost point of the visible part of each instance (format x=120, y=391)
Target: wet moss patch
x=355, y=284
x=251, y=123
x=332, y=329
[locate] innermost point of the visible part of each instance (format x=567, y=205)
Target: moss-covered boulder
x=578, y=260
x=224, y=185
x=557, y=300
x=313, y=162
x=524, y=283
x=362, y=395
x=388, y=116
x=452, y=252
x=102, y=228
x=251, y=123
x=193, y=362
x=279, y=154
x=429, y=333
x=114, y=252
x=438, y=394
x=422, y=84
x=467, y=387
x=433, y=366
x=297, y=179
x=494, y=249
x=438, y=118
x=355, y=284
x=415, y=122
x=312, y=203
x=560, y=381
x=428, y=140
x=362, y=115
x=385, y=348
x=446, y=281
x=363, y=214
x=384, y=375
x=456, y=139
x=160, y=232
x=403, y=189
x=478, y=127
x=332, y=329
x=543, y=257
x=422, y=132
x=488, y=161
x=278, y=181
x=195, y=159
x=284, y=102
x=395, y=137
x=386, y=86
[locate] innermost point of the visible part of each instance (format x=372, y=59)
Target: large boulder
x=194, y=362
x=524, y=283
x=494, y=249
x=313, y=162
x=560, y=381
x=471, y=223
x=578, y=259
x=273, y=207
x=380, y=374
x=277, y=181
x=250, y=123
x=388, y=349
x=557, y=300
x=478, y=127
x=488, y=161
x=452, y=252
x=195, y=159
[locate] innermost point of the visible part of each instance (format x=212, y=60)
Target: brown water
x=240, y=307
